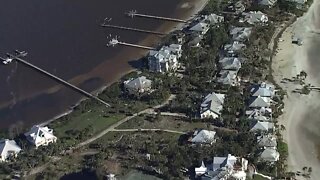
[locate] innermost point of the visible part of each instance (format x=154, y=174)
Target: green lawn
x=163, y=122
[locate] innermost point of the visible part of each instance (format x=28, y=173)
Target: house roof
x=227, y=77
x=240, y=33
x=235, y=46
x=213, y=102
x=138, y=83
x=39, y=132
x=200, y=27
x=204, y=136
x=7, y=146
x=223, y=162
x=214, y=19
x=267, y=141
x=270, y=154
x=258, y=101
x=253, y=17
x=267, y=2
x=262, y=126
x=263, y=90
x=230, y=63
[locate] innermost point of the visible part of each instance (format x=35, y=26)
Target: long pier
x=115, y=41
x=133, y=29
x=134, y=13
x=17, y=58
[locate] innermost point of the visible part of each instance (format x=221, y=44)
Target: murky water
x=64, y=38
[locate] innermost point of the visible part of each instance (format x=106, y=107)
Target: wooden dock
x=17, y=58
x=134, y=13
x=133, y=29
x=115, y=41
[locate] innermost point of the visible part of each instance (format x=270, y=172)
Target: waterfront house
x=40, y=136
x=240, y=33
x=200, y=28
x=270, y=155
x=8, y=149
x=138, y=85
x=267, y=141
x=230, y=63
x=223, y=168
x=262, y=126
x=263, y=90
x=166, y=59
x=212, y=105
x=254, y=17
x=233, y=48
x=259, y=102
x=228, y=77
x=213, y=19
x=269, y=3
x=237, y=7
x=203, y=137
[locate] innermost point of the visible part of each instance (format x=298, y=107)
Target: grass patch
x=258, y=177
x=163, y=122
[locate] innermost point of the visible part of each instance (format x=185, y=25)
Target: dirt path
x=39, y=169
x=141, y=130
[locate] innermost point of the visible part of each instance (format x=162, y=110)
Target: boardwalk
x=133, y=29
x=59, y=80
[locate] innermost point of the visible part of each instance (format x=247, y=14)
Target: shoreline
x=196, y=8
x=299, y=116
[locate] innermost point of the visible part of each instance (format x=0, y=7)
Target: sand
x=301, y=113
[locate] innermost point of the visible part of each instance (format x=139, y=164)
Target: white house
x=224, y=168
x=212, y=105
x=230, y=63
x=259, y=102
x=240, y=33
x=270, y=155
x=138, y=85
x=165, y=59
x=203, y=137
x=40, y=136
x=201, y=28
x=213, y=19
x=263, y=90
x=228, y=77
x=8, y=148
x=269, y=3
x=254, y=17
x=267, y=141
x=262, y=126
x=235, y=47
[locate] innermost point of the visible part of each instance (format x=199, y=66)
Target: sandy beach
x=301, y=115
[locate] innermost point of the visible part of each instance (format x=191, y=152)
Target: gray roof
x=262, y=126
x=240, y=33
x=267, y=2
x=213, y=102
x=200, y=27
x=227, y=77
x=263, y=90
x=234, y=47
x=258, y=101
x=253, y=17
x=267, y=141
x=221, y=162
x=270, y=154
x=138, y=83
x=214, y=19
x=230, y=63
x=204, y=136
